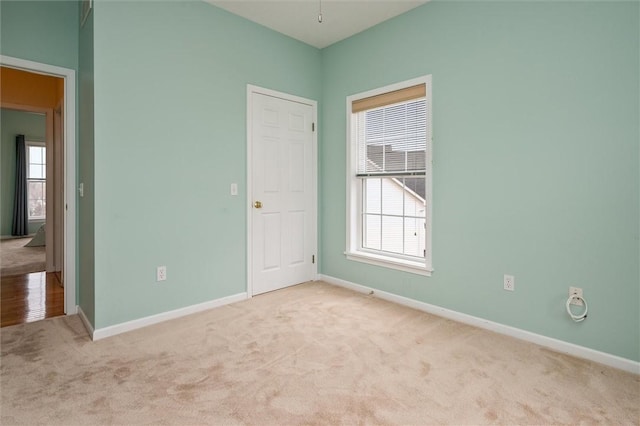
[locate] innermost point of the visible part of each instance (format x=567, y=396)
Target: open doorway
x=36, y=97
x=31, y=195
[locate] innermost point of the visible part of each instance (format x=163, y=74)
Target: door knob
x=257, y=205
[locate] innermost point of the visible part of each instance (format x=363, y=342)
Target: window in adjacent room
x=389, y=176
x=36, y=180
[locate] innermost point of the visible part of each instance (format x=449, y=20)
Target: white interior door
x=283, y=218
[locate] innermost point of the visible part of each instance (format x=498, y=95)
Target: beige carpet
x=310, y=354
x=17, y=259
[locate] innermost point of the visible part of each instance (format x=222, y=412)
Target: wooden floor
x=30, y=297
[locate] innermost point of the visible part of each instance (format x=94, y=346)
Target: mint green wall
x=170, y=137
x=536, y=130
x=41, y=31
x=86, y=295
x=535, y=144
x=13, y=123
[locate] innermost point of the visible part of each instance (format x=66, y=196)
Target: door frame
x=251, y=90
x=69, y=77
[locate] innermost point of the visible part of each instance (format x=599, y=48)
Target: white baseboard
x=549, y=342
x=74, y=311
x=113, y=330
x=85, y=321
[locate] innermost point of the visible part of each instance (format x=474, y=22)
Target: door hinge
x=313, y=258
x=313, y=127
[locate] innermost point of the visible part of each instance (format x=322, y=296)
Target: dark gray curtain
x=20, y=216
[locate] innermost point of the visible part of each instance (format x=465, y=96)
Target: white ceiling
x=299, y=18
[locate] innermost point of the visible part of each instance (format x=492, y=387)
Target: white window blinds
x=392, y=139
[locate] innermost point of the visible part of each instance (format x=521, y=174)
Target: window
x=389, y=176
x=36, y=180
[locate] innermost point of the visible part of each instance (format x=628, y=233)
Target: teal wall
x=170, y=137
x=86, y=213
x=536, y=134
x=41, y=31
x=535, y=144
x=13, y=123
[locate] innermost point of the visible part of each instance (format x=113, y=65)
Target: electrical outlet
x=509, y=282
x=577, y=291
x=161, y=273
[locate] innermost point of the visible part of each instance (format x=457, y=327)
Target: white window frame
x=354, y=250
x=28, y=160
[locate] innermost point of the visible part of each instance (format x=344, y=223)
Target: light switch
x=234, y=189
x=81, y=189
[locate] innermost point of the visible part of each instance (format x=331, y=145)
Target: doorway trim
x=251, y=90
x=69, y=76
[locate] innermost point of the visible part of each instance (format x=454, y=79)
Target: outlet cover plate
x=578, y=292
x=509, y=282
x=161, y=273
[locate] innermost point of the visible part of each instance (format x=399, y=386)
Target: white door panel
x=282, y=240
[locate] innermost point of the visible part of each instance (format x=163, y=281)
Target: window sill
x=386, y=262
